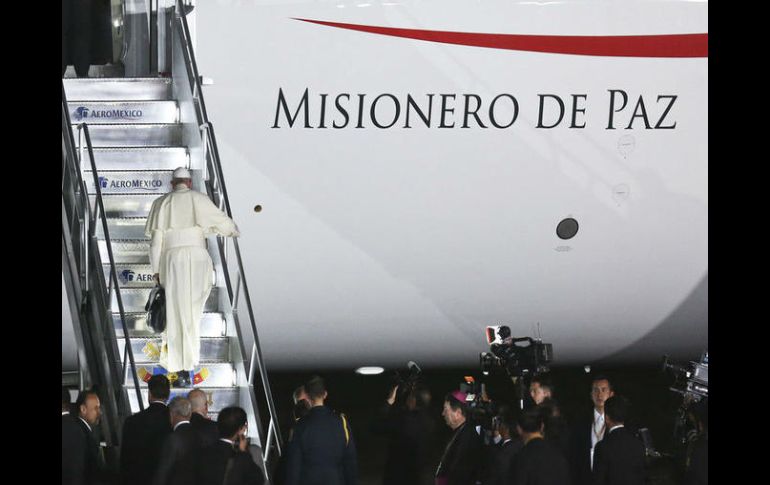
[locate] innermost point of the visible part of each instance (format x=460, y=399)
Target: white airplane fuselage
x=414, y=158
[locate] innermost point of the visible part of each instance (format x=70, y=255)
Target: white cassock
x=178, y=225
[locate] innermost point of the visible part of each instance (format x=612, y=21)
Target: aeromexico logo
x=150, y=185
x=83, y=113
x=130, y=276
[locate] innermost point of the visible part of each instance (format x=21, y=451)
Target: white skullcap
x=182, y=173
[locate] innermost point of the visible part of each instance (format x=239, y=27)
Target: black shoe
x=182, y=379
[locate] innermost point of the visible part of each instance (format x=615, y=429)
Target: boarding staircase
x=127, y=136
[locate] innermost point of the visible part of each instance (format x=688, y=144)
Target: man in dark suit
x=503, y=454
x=227, y=460
x=80, y=457
x=589, y=431
x=206, y=428
x=543, y=391
x=144, y=434
x=179, y=452
x=321, y=450
x=539, y=462
x=459, y=464
x=619, y=457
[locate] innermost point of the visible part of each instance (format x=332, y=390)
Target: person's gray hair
x=198, y=400
x=180, y=406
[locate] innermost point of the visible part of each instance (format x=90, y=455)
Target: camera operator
x=405, y=419
x=459, y=463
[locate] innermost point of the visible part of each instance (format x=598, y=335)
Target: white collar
x=507, y=441
x=65, y=413
x=86, y=422
x=616, y=427
x=231, y=443
x=598, y=415
x=159, y=402
x=180, y=423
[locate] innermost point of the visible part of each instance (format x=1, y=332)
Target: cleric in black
x=462, y=456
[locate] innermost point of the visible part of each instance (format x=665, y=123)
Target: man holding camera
x=405, y=419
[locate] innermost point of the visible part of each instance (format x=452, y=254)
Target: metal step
x=219, y=398
x=127, y=89
x=126, y=205
x=126, y=229
x=211, y=375
x=140, y=158
x=123, y=182
x=134, y=300
x=131, y=275
x=147, y=349
x=122, y=112
x=133, y=135
x=212, y=325
x=127, y=251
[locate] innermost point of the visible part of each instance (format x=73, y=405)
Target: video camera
x=481, y=410
x=406, y=381
x=691, y=381
x=519, y=356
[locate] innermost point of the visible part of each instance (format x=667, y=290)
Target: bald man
x=177, y=457
x=206, y=428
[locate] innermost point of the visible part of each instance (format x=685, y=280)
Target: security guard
x=322, y=450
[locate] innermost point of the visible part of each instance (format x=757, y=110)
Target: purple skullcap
x=459, y=395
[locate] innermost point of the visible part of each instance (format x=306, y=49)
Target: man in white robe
x=178, y=224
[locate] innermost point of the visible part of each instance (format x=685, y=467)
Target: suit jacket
x=178, y=456
x=501, y=461
x=580, y=450
x=243, y=471
x=619, y=459
x=207, y=429
x=80, y=463
x=212, y=461
x=461, y=459
x=319, y=452
x=143, y=436
x=540, y=463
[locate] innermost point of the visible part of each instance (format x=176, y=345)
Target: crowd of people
x=169, y=443
x=174, y=442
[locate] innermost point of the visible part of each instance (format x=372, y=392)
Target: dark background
x=647, y=387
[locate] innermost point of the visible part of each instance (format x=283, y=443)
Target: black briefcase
x=156, y=309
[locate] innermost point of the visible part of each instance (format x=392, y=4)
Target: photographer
x=405, y=419
x=460, y=462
